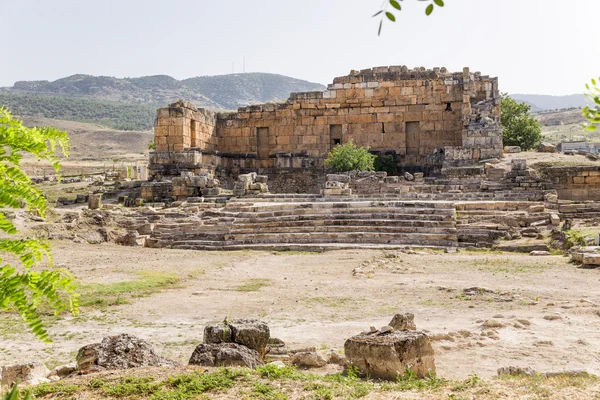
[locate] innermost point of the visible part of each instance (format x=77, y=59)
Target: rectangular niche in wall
x=194, y=133
x=262, y=143
x=413, y=131
x=335, y=134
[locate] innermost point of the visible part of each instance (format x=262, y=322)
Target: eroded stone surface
x=119, y=352
x=27, y=374
x=251, y=333
x=389, y=355
x=225, y=355
x=403, y=322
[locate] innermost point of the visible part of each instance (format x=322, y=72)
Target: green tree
x=388, y=13
x=592, y=112
x=349, y=157
x=22, y=289
x=519, y=128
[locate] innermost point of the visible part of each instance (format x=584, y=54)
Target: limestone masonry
x=426, y=119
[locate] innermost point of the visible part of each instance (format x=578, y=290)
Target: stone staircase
x=315, y=224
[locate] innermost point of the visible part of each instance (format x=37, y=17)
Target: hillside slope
x=221, y=92
x=91, y=142
x=546, y=102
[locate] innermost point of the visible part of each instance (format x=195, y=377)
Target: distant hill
x=221, y=92
x=547, y=102
x=112, y=114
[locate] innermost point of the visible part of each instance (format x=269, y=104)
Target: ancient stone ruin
x=426, y=119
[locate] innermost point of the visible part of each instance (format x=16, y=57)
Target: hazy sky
x=533, y=46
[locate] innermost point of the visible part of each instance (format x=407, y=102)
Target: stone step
x=350, y=237
x=341, y=205
x=346, y=222
x=316, y=247
x=335, y=229
x=285, y=218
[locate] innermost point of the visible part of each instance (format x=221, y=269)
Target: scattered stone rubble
x=587, y=255
x=250, y=185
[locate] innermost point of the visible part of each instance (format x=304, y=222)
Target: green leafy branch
x=388, y=13
x=24, y=290
x=592, y=112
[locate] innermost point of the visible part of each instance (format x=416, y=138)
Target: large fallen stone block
x=338, y=178
x=251, y=333
x=119, y=352
x=545, y=147
x=388, y=355
x=225, y=355
x=27, y=374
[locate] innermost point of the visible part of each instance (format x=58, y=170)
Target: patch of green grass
x=127, y=386
x=254, y=285
x=266, y=391
x=56, y=388
x=410, y=381
x=273, y=372
x=110, y=294
x=188, y=385
x=273, y=382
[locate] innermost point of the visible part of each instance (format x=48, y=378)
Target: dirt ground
x=540, y=312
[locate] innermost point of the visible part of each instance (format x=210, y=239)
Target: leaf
x=439, y=3
x=390, y=16
x=377, y=13
x=395, y=4
x=594, y=82
x=429, y=9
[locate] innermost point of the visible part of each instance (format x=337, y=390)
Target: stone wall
x=581, y=183
x=301, y=181
x=425, y=117
x=182, y=126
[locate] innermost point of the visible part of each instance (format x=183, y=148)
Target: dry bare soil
x=539, y=312
x=93, y=147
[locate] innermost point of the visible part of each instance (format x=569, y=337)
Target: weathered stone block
x=27, y=374
x=546, y=148
x=225, y=355
x=119, y=352
x=518, y=164
x=403, y=322
x=251, y=333
x=95, y=201
x=338, y=178
x=512, y=149
x=388, y=355
x=262, y=179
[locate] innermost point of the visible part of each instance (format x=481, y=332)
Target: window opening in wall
x=335, y=134
x=449, y=107
x=382, y=128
